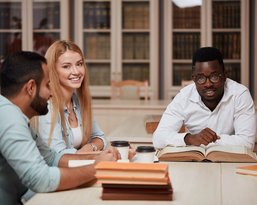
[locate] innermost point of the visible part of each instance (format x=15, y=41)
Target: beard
x=39, y=104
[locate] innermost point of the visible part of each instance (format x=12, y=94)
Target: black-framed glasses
x=214, y=78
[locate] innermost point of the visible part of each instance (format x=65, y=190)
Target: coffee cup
x=123, y=148
x=145, y=154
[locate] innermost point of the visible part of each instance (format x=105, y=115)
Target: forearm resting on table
x=75, y=177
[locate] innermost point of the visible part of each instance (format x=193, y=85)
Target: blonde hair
x=57, y=101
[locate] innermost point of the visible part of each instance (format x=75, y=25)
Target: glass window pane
x=181, y=72
x=136, y=71
x=97, y=45
x=10, y=15
x=135, y=46
x=229, y=44
x=46, y=15
x=186, y=17
x=9, y=43
x=135, y=15
x=96, y=15
x=226, y=14
x=42, y=40
x=233, y=71
x=99, y=73
x=185, y=44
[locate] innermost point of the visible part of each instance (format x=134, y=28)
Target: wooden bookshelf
x=31, y=25
x=222, y=24
x=121, y=35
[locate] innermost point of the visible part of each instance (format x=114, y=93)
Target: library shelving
x=219, y=23
x=31, y=24
x=120, y=42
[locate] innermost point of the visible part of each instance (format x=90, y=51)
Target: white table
x=193, y=183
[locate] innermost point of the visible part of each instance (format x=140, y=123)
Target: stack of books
x=134, y=181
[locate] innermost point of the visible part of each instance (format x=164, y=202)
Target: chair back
x=129, y=89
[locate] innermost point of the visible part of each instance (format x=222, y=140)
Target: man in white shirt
x=214, y=109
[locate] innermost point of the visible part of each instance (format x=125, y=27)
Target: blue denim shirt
x=58, y=139
x=25, y=161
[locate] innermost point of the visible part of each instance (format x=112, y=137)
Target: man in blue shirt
x=25, y=161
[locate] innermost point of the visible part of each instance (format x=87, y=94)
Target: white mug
x=123, y=148
x=145, y=154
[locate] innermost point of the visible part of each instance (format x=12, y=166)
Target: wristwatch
x=94, y=146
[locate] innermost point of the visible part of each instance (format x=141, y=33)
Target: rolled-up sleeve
x=97, y=133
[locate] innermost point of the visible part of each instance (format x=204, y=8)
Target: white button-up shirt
x=233, y=119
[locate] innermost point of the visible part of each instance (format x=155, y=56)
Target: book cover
x=247, y=170
x=136, y=189
x=215, y=153
x=129, y=196
x=132, y=180
x=151, y=167
x=138, y=186
x=137, y=193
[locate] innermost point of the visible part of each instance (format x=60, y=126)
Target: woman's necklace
x=71, y=114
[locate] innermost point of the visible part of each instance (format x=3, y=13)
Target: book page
x=230, y=153
x=173, y=149
x=79, y=163
x=182, y=153
x=229, y=148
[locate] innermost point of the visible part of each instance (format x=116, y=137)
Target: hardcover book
x=215, y=153
x=132, y=173
x=247, y=170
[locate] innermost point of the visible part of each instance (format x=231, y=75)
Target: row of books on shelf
x=134, y=181
x=99, y=74
x=140, y=72
x=47, y=15
x=135, y=15
x=10, y=16
x=233, y=71
x=226, y=14
x=97, y=15
x=135, y=46
x=185, y=44
x=186, y=17
x=97, y=46
x=181, y=72
x=229, y=44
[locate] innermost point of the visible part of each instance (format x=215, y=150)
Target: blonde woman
x=68, y=127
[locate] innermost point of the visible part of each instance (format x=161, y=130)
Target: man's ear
x=31, y=87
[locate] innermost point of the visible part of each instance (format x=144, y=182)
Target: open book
x=214, y=153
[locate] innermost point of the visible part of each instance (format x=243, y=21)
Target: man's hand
x=204, y=137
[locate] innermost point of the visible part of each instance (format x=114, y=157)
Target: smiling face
x=210, y=92
x=71, y=70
